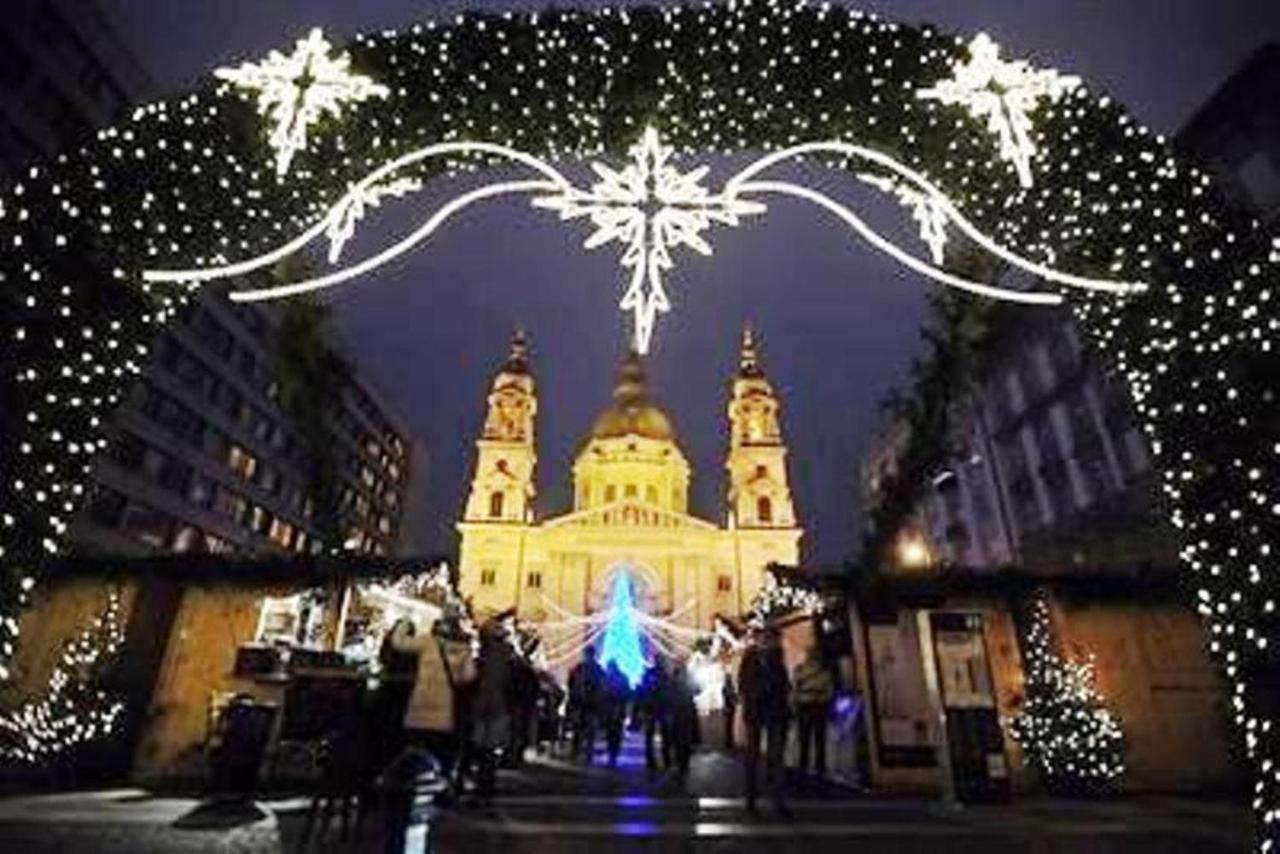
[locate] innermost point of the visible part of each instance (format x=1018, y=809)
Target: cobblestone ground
x=554, y=805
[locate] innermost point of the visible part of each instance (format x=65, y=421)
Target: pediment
x=629, y=513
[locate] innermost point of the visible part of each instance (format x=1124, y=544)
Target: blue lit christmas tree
x=621, y=634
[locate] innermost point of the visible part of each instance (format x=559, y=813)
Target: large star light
x=1003, y=93
x=295, y=91
x=651, y=208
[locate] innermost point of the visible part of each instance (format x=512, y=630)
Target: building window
x=200, y=491
x=281, y=532
x=188, y=539
x=241, y=462
x=610, y=493
x=107, y=507
x=651, y=494
x=229, y=504
x=534, y=579
x=762, y=471
x=764, y=510
x=488, y=577
x=496, y=500
x=630, y=491
x=724, y=583
x=147, y=525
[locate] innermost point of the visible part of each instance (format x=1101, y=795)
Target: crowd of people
x=475, y=712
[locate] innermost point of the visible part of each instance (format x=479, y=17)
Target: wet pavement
x=552, y=804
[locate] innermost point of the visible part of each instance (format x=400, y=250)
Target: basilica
x=630, y=505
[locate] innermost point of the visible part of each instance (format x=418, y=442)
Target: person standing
x=586, y=687
x=814, y=689
x=430, y=717
x=493, y=701
x=729, y=697
x=653, y=709
x=684, y=717
x=765, y=689
x=616, y=694
x=525, y=705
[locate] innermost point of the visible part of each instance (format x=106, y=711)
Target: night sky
x=839, y=322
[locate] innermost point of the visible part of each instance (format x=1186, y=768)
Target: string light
x=1067, y=733
x=180, y=185
x=777, y=598
x=74, y=710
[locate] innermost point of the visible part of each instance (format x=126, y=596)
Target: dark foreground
x=552, y=805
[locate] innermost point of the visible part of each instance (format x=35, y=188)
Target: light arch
x=1094, y=193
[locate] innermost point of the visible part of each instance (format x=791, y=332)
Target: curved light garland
x=649, y=207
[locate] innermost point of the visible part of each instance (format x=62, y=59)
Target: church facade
x=630, y=506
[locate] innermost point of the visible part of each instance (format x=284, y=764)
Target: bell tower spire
x=502, y=488
x=759, y=491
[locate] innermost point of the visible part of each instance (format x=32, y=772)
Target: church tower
x=502, y=488
x=759, y=493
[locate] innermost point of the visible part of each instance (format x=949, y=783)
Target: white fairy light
x=294, y=91
x=1003, y=93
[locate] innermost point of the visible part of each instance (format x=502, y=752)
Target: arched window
x=764, y=510
x=630, y=491
x=495, y=505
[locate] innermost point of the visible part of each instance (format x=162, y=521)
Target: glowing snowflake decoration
x=651, y=208
x=926, y=211
x=1003, y=93
x=294, y=91
x=356, y=203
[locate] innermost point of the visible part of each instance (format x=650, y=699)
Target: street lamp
x=913, y=552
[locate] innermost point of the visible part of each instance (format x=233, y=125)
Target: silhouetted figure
x=729, y=696
x=614, y=713
x=443, y=661
x=586, y=693
x=653, y=707
x=491, y=709
x=762, y=679
x=813, y=691
x=684, y=717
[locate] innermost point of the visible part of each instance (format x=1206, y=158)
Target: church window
x=502, y=466
x=534, y=579
x=630, y=491
x=724, y=583
x=488, y=577
x=764, y=510
x=495, y=505
x=651, y=494
x=610, y=493
x=762, y=471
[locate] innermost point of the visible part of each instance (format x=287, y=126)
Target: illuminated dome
x=632, y=412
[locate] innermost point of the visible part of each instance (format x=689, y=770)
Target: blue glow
x=621, y=634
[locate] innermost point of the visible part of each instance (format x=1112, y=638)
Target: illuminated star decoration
x=294, y=91
x=1004, y=93
x=651, y=208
